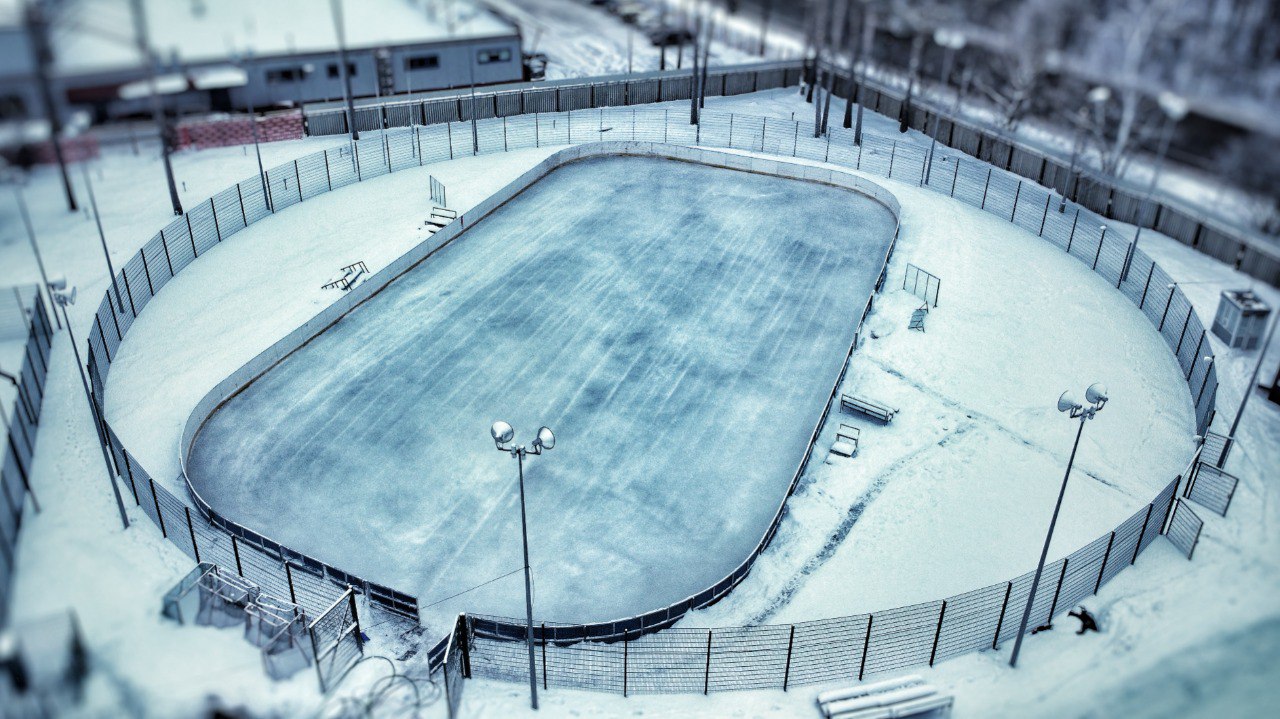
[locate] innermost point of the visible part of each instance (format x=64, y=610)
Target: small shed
x=1241, y=319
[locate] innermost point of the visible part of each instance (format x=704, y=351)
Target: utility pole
x=38, y=33
x=157, y=110
x=336, y=6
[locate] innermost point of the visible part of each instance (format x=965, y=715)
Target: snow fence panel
x=254, y=201
x=509, y=104
x=136, y=286
x=157, y=263
x=1184, y=528
x=491, y=135
x=715, y=129
x=1136, y=286
x=204, y=230
x=1031, y=212
x=1001, y=195
x=970, y=182
x=226, y=205
x=1083, y=568
x=908, y=164
x=585, y=665
x=642, y=92
x=1111, y=257
x=902, y=637
x=828, y=650
x=371, y=157
x=1177, y=224
x=311, y=172
x=1176, y=320
x=1126, y=541
x=672, y=661
x=748, y=657
x=970, y=621
x=877, y=155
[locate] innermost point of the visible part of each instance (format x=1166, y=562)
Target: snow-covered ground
x=1159, y=618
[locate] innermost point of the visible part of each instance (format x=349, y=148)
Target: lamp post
x=62, y=297
x=16, y=180
x=243, y=62
x=102, y=237
x=1174, y=108
x=950, y=41
x=1096, y=395
x=1253, y=379
x=503, y=434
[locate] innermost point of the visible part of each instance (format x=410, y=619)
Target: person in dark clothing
x=1087, y=622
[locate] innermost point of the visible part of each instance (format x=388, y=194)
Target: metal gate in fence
x=1184, y=528
x=1211, y=488
x=922, y=284
x=336, y=641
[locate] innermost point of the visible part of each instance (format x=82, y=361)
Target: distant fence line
x=286, y=572
x=1108, y=196
x=21, y=426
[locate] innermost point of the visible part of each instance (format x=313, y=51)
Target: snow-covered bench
x=869, y=407
x=846, y=444
x=907, y=696
x=917, y=317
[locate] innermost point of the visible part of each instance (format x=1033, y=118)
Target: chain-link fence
x=21, y=423
x=336, y=640
x=1073, y=227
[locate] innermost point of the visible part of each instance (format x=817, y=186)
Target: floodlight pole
x=102, y=237
x=519, y=453
x=1084, y=414
x=157, y=108
x=60, y=300
x=35, y=249
x=1253, y=380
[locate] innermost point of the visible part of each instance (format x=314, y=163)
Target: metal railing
x=21, y=424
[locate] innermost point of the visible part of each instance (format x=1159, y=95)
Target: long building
x=232, y=54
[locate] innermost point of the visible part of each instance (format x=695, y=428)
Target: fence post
x=168, y=261
x=706, y=677
x=1101, y=239
x=1183, y=336
x=217, y=227
x=544, y=655
x=159, y=515
x=1167, y=302
x=417, y=141
x=1105, y=558
x=1138, y=546
x=1017, y=194
x=448, y=129
x=893, y=151
x=1147, y=286
x=1008, y=589
x=192, y=530
x=731, y=129
x=243, y=216
x=1053, y=606
x=1072, y=237
x=795, y=144
x=327, y=177
x=933, y=654
x=235, y=549
x=786, y=673
x=355, y=616
x=192, y=236
x=146, y=271
x=625, y=652
x=955, y=176
x=504, y=133
x=297, y=178
x=866, y=645
x=985, y=188
x=1194, y=358
x=858, y=166
x=288, y=573
x=764, y=131
x=1045, y=218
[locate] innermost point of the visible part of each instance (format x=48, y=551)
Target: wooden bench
x=440, y=216
x=906, y=696
x=871, y=408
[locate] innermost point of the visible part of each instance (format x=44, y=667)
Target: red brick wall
x=74, y=149
x=202, y=134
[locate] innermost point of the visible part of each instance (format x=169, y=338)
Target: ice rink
x=677, y=325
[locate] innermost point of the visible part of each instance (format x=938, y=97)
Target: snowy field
x=1179, y=638
x=677, y=325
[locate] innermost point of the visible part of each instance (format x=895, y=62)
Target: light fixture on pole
x=63, y=297
x=503, y=434
x=1096, y=396
x=1174, y=108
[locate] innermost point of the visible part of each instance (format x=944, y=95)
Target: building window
x=335, y=71
x=484, y=57
x=422, y=62
x=286, y=74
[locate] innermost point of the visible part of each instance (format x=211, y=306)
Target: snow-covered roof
x=97, y=35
